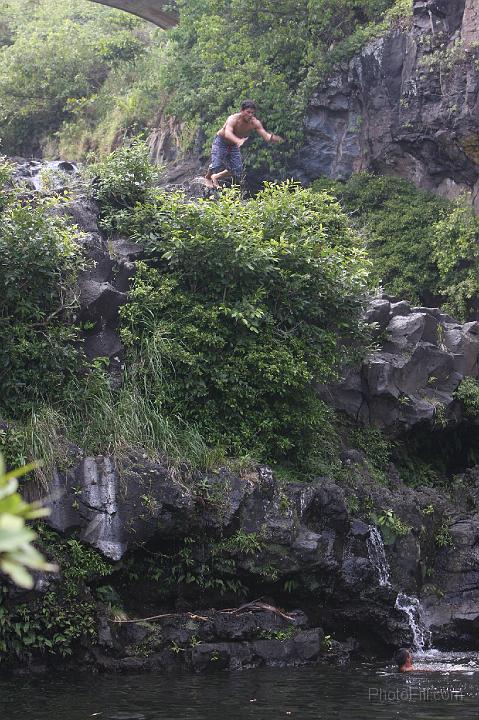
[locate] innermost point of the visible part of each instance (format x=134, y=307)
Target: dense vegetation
x=55, y=621
x=58, y=64
x=79, y=77
x=239, y=307
x=39, y=261
x=423, y=248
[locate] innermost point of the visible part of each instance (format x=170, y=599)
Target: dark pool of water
x=362, y=692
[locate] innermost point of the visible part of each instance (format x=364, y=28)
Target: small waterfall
x=377, y=556
x=412, y=608
x=408, y=604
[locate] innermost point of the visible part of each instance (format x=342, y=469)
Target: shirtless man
x=225, y=153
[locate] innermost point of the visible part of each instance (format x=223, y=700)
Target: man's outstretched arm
x=267, y=136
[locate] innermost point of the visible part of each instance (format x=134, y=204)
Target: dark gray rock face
x=211, y=640
x=305, y=536
x=406, y=105
x=411, y=380
x=103, y=285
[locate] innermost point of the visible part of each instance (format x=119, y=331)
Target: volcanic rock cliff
x=406, y=105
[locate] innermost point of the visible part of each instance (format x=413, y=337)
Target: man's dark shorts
x=224, y=155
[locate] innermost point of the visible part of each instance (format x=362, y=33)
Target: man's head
x=403, y=659
x=248, y=108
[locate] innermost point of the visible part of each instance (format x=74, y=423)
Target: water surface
x=362, y=692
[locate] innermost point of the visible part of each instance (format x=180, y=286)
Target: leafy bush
x=124, y=178
x=240, y=308
x=468, y=394
x=391, y=526
x=38, y=264
x=58, y=620
x=455, y=245
x=424, y=249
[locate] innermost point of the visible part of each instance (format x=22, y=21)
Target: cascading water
x=408, y=604
x=411, y=606
x=377, y=555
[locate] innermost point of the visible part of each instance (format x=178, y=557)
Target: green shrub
x=391, y=526
x=39, y=261
x=57, y=621
x=455, y=246
x=124, y=178
x=468, y=394
x=240, y=308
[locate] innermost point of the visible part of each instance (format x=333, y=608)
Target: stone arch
x=152, y=10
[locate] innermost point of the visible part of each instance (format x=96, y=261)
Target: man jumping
x=225, y=153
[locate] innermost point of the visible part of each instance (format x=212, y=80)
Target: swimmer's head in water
x=403, y=658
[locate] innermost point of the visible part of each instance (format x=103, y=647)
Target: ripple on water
x=361, y=692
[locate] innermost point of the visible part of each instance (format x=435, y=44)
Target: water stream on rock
x=411, y=606
x=407, y=604
x=377, y=555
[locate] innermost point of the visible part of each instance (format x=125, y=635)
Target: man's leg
x=219, y=151
x=219, y=176
x=236, y=164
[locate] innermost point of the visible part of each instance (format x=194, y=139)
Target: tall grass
x=102, y=420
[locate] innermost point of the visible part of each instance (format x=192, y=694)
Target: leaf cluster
x=65, y=614
x=17, y=552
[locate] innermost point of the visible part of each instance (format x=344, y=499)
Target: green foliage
x=376, y=448
x=16, y=550
x=455, y=247
x=468, y=394
x=125, y=177
x=282, y=635
x=443, y=537
x=65, y=614
x=205, y=565
x=58, y=54
x=424, y=249
x=102, y=420
x=244, y=543
x=39, y=261
x=391, y=526
x=242, y=306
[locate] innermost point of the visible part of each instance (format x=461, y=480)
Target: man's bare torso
x=242, y=127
